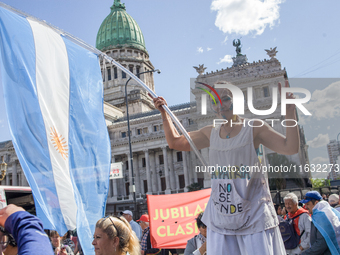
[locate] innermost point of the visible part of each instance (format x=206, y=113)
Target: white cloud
x=302, y=119
x=226, y=59
x=199, y=49
x=319, y=141
x=209, y=49
x=325, y=103
x=329, y=127
x=245, y=16
x=319, y=160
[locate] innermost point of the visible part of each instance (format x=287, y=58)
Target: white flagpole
x=111, y=60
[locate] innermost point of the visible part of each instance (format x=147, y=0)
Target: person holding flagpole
x=240, y=214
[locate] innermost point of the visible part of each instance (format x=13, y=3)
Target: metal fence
x=278, y=195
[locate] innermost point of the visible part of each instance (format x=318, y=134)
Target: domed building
x=120, y=37
x=156, y=168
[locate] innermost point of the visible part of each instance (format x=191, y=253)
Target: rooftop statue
x=272, y=52
x=237, y=44
x=200, y=69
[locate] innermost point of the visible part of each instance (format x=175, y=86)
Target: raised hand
x=158, y=102
x=8, y=211
x=289, y=107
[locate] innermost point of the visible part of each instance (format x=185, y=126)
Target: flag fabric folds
x=54, y=99
x=327, y=220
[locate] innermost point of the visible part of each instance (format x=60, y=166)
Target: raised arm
x=173, y=138
x=287, y=145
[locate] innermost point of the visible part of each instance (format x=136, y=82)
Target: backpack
x=290, y=237
x=150, y=250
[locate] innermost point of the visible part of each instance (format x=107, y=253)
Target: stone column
x=153, y=170
x=207, y=175
x=158, y=177
x=190, y=167
x=193, y=164
x=7, y=179
x=166, y=170
x=14, y=174
x=148, y=173
x=185, y=170
x=174, y=154
x=172, y=171
x=114, y=184
x=139, y=179
x=130, y=174
x=23, y=179
x=136, y=172
x=19, y=178
x=110, y=193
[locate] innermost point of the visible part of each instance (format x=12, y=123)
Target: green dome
x=119, y=29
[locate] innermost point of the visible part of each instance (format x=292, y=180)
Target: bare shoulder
x=206, y=130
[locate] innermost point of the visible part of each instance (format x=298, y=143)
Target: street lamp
x=3, y=169
x=129, y=133
x=337, y=139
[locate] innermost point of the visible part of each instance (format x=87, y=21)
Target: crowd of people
x=250, y=227
x=23, y=233
x=315, y=223
x=315, y=220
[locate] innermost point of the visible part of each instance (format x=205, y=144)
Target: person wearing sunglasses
x=114, y=236
x=7, y=243
x=24, y=229
x=240, y=214
x=198, y=244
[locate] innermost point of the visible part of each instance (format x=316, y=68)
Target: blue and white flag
x=327, y=220
x=54, y=99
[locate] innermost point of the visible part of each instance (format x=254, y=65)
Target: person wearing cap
x=146, y=243
x=301, y=222
x=144, y=223
x=320, y=225
x=333, y=200
x=127, y=214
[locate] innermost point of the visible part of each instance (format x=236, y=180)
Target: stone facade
x=158, y=169
x=136, y=61
x=333, y=149
x=262, y=77
x=14, y=175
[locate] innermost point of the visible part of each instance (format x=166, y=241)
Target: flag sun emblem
x=59, y=143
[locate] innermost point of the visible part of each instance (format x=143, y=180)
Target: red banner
x=172, y=217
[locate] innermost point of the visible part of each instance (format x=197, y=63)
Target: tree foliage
x=319, y=182
x=194, y=186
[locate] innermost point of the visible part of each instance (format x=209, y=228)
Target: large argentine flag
x=54, y=101
x=327, y=220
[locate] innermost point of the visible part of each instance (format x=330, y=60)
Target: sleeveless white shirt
x=240, y=201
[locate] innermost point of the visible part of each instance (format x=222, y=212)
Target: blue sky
x=183, y=34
